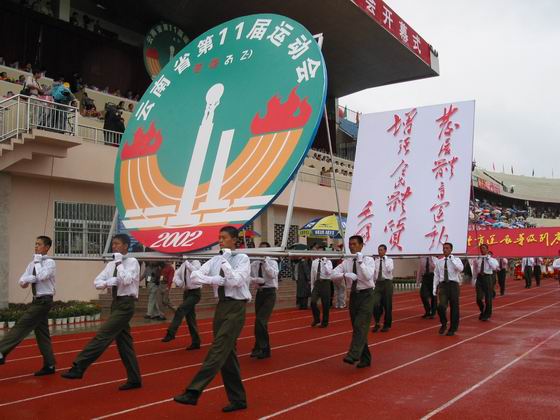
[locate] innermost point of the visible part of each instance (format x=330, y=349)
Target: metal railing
x=99, y=135
x=324, y=180
x=20, y=114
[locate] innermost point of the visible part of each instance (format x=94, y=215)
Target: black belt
x=125, y=297
x=230, y=299
x=369, y=289
x=323, y=280
x=43, y=297
x=266, y=289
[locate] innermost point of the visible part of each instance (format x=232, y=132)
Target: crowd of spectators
x=490, y=214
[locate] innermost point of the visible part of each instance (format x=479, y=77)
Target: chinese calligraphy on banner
x=517, y=243
x=412, y=179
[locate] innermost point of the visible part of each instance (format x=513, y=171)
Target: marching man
x=229, y=275
x=265, y=275
x=358, y=274
x=383, y=292
x=483, y=279
x=40, y=274
x=321, y=269
x=191, y=296
x=446, y=288
x=122, y=278
x=425, y=277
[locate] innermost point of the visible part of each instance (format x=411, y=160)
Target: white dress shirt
x=237, y=270
x=127, y=279
x=387, y=267
x=44, y=278
x=270, y=272
x=503, y=263
x=556, y=264
x=326, y=269
x=422, y=268
x=454, y=268
x=364, y=271
x=490, y=264
x=182, y=277
x=527, y=261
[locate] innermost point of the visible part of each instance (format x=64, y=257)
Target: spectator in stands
x=129, y=95
x=28, y=68
x=117, y=92
x=87, y=21
x=21, y=80
x=77, y=83
x=151, y=275
x=136, y=97
x=32, y=86
x=2, y=61
x=97, y=27
x=130, y=107
x=4, y=76
x=74, y=19
x=87, y=105
x=9, y=94
x=63, y=97
x=113, y=122
x=121, y=105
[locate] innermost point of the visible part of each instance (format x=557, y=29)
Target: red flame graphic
x=280, y=117
x=144, y=144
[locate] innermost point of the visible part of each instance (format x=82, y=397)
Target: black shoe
x=480, y=317
x=385, y=329
x=314, y=323
x=2, y=360
x=129, y=385
x=148, y=317
x=45, y=370
x=363, y=365
x=349, y=359
x=73, y=373
x=485, y=318
x=425, y=316
x=255, y=353
x=160, y=318
x=234, y=406
x=193, y=346
x=442, y=329
x=432, y=316
x=375, y=328
x=167, y=338
x=450, y=333
x=323, y=325
x=188, y=397
x=263, y=355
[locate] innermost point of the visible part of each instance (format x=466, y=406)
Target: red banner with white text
x=516, y=243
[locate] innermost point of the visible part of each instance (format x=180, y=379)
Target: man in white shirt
x=425, y=277
x=229, y=275
x=122, y=278
x=502, y=273
x=357, y=273
x=40, y=274
x=527, y=264
x=321, y=289
x=483, y=278
x=537, y=270
x=191, y=296
x=383, y=292
x=264, y=273
x=446, y=287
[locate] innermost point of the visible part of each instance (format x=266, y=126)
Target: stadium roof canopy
x=366, y=44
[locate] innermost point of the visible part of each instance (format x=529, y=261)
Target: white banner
x=412, y=179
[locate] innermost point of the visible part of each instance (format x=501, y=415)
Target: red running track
x=505, y=368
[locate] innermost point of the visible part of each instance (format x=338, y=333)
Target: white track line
x=403, y=365
x=488, y=378
x=315, y=360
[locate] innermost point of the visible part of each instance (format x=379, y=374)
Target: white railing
x=99, y=135
x=324, y=180
x=20, y=114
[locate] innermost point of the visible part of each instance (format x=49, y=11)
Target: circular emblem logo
x=217, y=137
x=161, y=44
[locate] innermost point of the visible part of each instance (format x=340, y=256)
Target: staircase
x=285, y=298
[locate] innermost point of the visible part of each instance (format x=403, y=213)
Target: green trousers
x=229, y=319
x=187, y=310
x=264, y=304
x=36, y=319
x=383, y=302
x=117, y=328
x=361, y=309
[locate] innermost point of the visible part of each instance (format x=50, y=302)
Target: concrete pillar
x=64, y=10
x=5, y=193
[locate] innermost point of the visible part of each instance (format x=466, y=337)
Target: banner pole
x=289, y=213
x=111, y=232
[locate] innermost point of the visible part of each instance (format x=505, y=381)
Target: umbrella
x=248, y=233
x=323, y=227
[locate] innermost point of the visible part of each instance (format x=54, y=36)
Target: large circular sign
x=220, y=133
x=161, y=43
